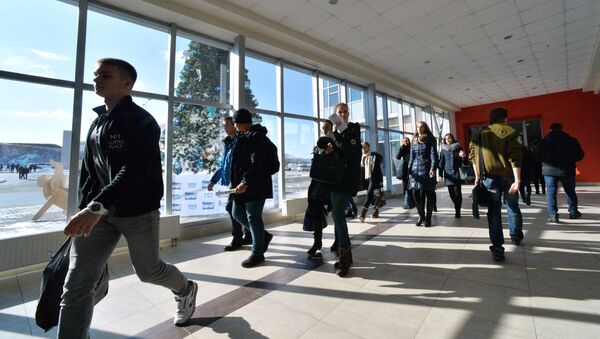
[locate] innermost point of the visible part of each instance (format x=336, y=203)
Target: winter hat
x=242, y=116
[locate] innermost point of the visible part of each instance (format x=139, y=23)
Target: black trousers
x=424, y=199
x=456, y=196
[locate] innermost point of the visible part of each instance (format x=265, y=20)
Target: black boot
x=420, y=220
x=375, y=213
x=457, y=212
x=363, y=214
x=334, y=246
x=344, y=261
x=317, y=244
x=428, y=219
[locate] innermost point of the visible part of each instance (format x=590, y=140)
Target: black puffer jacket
x=423, y=158
x=450, y=164
x=247, y=165
x=349, y=145
x=403, y=155
x=558, y=153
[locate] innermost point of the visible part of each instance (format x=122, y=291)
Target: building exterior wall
x=577, y=111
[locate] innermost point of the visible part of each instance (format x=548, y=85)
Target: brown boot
x=344, y=261
x=363, y=214
x=375, y=213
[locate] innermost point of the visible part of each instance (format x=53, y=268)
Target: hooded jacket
x=121, y=165
x=450, y=163
x=558, y=153
x=501, y=150
x=248, y=165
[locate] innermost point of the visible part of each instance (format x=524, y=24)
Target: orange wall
x=577, y=111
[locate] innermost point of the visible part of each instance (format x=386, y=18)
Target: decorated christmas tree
x=197, y=130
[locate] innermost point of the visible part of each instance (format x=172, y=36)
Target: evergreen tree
x=197, y=130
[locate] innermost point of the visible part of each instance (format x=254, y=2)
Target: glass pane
x=157, y=108
x=380, y=111
x=395, y=139
x=39, y=38
x=202, y=72
x=394, y=115
x=298, y=93
x=356, y=104
x=408, y=113
x=106, y=38
x=261, y=84
x=330, y=96
x=300, y=137
x=33, y=144
x=383, y=149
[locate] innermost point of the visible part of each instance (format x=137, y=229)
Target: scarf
x=368, y=164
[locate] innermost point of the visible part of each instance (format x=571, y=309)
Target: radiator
x=25, y=251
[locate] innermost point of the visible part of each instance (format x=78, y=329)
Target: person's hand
x=477, y=181
x=82, y=223
x=431, y=173
x=241, y=188
x=514, y=188
x=210, y=186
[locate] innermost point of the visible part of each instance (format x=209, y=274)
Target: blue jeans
x=568, y=184
x=89, y=255
x=249, y=214
x=236, y=227
x=338, y=205
x=498, y=187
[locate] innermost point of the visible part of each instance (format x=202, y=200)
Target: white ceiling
x=468, y=52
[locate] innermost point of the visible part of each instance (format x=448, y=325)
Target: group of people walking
x=121, y=187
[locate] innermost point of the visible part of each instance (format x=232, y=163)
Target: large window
x=300, y=137
x=38, y=38
x=331, y=94
x=408, y=114
x=394, y=114
x=356, y=104
x=298, y=92
x=261, y=84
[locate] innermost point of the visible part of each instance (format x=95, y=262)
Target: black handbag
x=327, y=167
x=481, y=195
x=53, y=279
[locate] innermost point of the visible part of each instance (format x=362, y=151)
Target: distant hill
x=25, y=154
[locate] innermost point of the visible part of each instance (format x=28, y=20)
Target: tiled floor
x=406, y=282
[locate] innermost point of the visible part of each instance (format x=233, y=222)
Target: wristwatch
x=97, y=208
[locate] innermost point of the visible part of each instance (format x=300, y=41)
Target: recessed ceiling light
x=529, y=76
x=520, y=60
x=332, y=2
x=427, y=61
x=507, y=37
x=450, y=78
x=467, y=89
x=534, y=87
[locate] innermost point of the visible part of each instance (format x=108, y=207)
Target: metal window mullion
x=170, y=113
x=280, y=108
x=72, y=199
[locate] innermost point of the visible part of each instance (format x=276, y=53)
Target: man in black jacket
x=252, y=182
x=558, y=153
x=120, y=189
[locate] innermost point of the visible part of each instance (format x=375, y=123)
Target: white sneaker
x=186, y=304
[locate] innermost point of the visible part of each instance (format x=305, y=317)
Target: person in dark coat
x=373, y=179
x=252, y=182
x=452, y=157
x=347, y=143
x=403, y=155
x=422, y=165
x=526, y=176
x=559, y=153
x=536, y=176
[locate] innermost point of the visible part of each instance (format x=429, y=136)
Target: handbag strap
x=481, y=162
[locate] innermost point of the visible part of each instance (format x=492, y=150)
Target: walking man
x=558, y=153
x=501, y=161
x=251, y=177
x=223, y=176
x=120, y=188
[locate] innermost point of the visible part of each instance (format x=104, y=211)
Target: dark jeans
x=525, y=191
x=423, y=197
x=404, y=184
x=370, y=194
x=498, y=187
x=568, y=184
x=338, y=205
x=537, y=181
x=456, y=196
x=236, y=227
x=249, y=214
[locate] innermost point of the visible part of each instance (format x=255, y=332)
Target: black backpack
x=272, y=163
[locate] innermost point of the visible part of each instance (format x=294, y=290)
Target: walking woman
x=372, y=179
x=422, y=165
x=403, y=155
x=452, y=157
x=347, y=143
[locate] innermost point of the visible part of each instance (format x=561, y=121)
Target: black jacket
x=423, y=158
x=124, y=171
x=450, y=164
x=248, y=165
x=403, y=155
x=349, y=146
x=376, y=172
x=558, y=153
